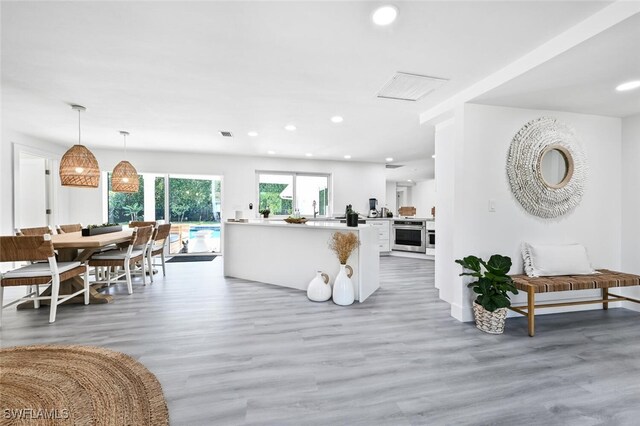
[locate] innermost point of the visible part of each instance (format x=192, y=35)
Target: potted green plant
x=265, y=212
x=493, y=286
x=105, y=228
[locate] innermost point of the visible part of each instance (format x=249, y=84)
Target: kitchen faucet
x=314, y=209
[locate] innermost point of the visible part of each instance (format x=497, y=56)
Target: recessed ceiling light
x=388, y=159
x=253, y=134
x=347, y=157
x=271, y=152
x=384, y=15
x=337, y=119
x=409, y=180
x=433, y=156
x=630, y=85
x=308, y=154
x=290, y=127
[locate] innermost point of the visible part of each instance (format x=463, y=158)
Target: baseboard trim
x=462, y=313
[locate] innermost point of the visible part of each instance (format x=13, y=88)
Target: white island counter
x=288, y=255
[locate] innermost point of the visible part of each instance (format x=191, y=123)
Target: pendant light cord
x=125, y=145
x=79, y=131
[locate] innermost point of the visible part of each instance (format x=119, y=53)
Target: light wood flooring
x=229, y=351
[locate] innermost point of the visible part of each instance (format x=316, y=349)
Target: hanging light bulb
x=124, y=177
x=78, y=166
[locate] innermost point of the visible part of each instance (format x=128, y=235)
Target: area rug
x=192, y=258
x=77, y=385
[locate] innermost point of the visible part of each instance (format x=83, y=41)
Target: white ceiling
x=173, y=74
x=583, y=79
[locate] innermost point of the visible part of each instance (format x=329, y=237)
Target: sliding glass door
x=192, y=204
x=125, y=207
x=194, y=211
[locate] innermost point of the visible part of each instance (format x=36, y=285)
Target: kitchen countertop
x=317, y=224
x=335, y=219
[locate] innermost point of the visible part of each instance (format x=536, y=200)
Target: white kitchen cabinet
x=384, y=234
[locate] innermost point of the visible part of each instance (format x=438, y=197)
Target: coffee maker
x=373, y=207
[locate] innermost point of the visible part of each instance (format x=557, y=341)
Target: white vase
x=343, y=293
x=319, y=289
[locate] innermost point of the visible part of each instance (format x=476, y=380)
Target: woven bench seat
x=603, y=281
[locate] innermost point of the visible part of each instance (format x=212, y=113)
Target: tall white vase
x=319, y=289
x=343, y=292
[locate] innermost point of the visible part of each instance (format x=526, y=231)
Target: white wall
x=423, y=196
x=631, y=201
x=352, y=182
x=482, y=138
x=446, y=272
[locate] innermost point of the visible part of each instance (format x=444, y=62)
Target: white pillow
x=546, y=260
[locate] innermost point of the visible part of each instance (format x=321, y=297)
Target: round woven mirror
x=546, y=168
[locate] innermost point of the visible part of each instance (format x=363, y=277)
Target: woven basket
x=124, y=178
x=79, y=168
x=490, y=322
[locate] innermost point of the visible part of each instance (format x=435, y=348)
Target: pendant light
x=78, y=166
x=124, y=177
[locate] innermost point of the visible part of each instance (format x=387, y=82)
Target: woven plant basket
x=79, y=168
x=489, y=322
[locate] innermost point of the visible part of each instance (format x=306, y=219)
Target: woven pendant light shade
x=78, y=166
x=124, y=178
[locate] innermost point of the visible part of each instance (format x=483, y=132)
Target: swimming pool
x=214, y=230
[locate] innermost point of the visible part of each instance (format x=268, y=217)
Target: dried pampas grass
x=343, y=244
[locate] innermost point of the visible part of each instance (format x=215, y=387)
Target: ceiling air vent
x=226, y=134
x=410, y=87
x=393, y=166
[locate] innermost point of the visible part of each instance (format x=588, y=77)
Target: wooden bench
x=604, y=280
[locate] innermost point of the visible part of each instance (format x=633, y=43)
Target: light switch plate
x=492, y=206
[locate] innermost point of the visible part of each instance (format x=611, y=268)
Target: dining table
x=73, y=246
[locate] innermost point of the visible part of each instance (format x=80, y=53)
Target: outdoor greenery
x=323, y=201
x=270, y=198
x=494, y=285
x=192, y=200
x=125, y=207
x=159, y=198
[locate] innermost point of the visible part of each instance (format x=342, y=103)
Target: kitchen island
x=288, y=255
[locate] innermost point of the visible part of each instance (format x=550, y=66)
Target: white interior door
x=32, y=194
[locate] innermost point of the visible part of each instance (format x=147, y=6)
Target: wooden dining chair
x=65, y=229
x=125, y=258
x=40, y=230
x=139, y=224
x=156, y=247
x=37, y=248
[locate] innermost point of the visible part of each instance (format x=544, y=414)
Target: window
x=191, y=203
x=124, y=207
x=194, y=200
x=283, y=192
x=159, y=197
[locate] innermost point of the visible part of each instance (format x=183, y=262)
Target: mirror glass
x=554, y=167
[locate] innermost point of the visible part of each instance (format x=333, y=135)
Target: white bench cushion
x=115, y=255
x=39, y=270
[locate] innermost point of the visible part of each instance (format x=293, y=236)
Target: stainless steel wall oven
x=409, y=235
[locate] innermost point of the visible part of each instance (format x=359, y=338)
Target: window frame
x=294, y=203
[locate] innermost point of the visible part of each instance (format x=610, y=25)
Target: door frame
x=52, y=180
